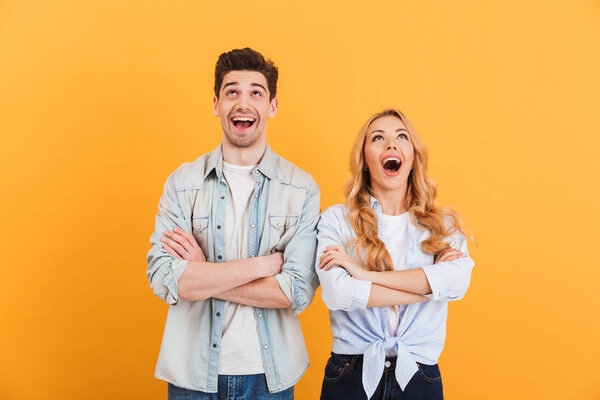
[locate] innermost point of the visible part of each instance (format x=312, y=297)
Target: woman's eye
x=402, y=136
x=378, y=137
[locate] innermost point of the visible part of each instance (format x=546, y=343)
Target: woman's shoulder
x=338, y=211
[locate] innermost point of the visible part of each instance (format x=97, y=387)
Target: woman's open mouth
x=391, y=165
x=242, y=124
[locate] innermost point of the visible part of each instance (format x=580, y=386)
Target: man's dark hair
x=249, y=60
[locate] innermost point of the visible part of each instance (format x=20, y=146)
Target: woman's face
x=389, y=153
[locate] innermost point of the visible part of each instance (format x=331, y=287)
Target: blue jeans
x=343, y=381
x=234, y=387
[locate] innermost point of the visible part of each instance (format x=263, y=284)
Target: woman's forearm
x=410, y=280
x=381, y=296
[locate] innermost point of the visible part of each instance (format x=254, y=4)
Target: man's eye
x=403, y=136
x=256, y=93
x=230, y=92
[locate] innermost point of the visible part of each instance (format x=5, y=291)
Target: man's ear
x=273, y=108
x=215, y=104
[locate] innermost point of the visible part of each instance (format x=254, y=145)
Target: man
x=233, y=252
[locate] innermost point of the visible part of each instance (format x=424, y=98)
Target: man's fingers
x=171, y=251
x=175, y=246
x=188, y=236
x=180, y=239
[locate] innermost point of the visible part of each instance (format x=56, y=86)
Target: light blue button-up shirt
x=358, y=329
x=284, y=211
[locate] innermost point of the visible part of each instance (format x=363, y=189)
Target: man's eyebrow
x=259, y=85
x=229, y=84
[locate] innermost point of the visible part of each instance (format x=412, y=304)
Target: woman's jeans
x=234, y=387
x=343, y=381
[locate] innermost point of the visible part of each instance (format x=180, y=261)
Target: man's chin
x=242, y=141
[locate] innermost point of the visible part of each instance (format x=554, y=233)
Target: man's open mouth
x=243, y=123
x=391, y=164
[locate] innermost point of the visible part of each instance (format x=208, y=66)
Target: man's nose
x=243, y=102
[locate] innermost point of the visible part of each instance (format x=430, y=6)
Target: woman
x=390, y=261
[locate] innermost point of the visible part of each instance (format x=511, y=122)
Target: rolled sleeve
x=297, y=279
x=164, y=270
x=339, y=290
x=450, y=280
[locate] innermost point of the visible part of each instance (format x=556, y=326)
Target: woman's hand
x=336, y=255
x=182, y=245
x=449, y=254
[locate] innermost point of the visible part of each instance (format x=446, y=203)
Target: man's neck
x=244, y=155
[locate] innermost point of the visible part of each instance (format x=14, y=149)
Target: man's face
x=244, y=107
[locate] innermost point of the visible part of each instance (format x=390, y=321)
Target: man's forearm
x=202, y=280
x=263, y=292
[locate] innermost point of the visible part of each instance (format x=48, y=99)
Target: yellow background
x=101, y=100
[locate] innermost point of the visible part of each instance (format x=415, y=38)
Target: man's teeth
x=243, y=119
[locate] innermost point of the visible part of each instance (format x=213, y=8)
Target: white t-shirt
x=393, y=231
x=240, y=347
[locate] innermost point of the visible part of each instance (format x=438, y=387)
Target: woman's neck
x=392, y=202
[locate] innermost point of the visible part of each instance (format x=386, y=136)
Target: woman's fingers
x=449, y=255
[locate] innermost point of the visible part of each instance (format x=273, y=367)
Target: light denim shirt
x=358, y=329
x=284, y=211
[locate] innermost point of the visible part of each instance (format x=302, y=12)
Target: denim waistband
x=355, y=360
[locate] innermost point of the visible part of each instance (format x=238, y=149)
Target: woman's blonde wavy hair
x=420, y=202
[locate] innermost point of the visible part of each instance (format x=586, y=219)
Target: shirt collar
x=267, y=164
x=375, y=204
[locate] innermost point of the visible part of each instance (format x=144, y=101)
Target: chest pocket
x=200, y=232
x=281, y=230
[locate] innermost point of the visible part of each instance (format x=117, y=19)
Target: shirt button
x=388, y=364
x=252, y=226
x=218, y=226
x=256, y=171
x=278, y=225
x=265, y=346
x=219, y=257
x=251, y=255
x=222, y=197
x=214, y=345
x=255, y=195
x=259, y=315
x=218, y=314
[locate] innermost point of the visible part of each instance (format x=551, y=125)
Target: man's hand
x=449, y=254
x=182, y=245
x=336, y=255
x=272, y=263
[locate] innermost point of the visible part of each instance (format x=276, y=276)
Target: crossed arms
x=278, y=280
x=347, y=285
x=248, y=281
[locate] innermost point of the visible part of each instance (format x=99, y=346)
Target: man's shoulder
x=289, y=174
x=190, y=175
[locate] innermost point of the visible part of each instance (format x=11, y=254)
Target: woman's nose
x=391, y=146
